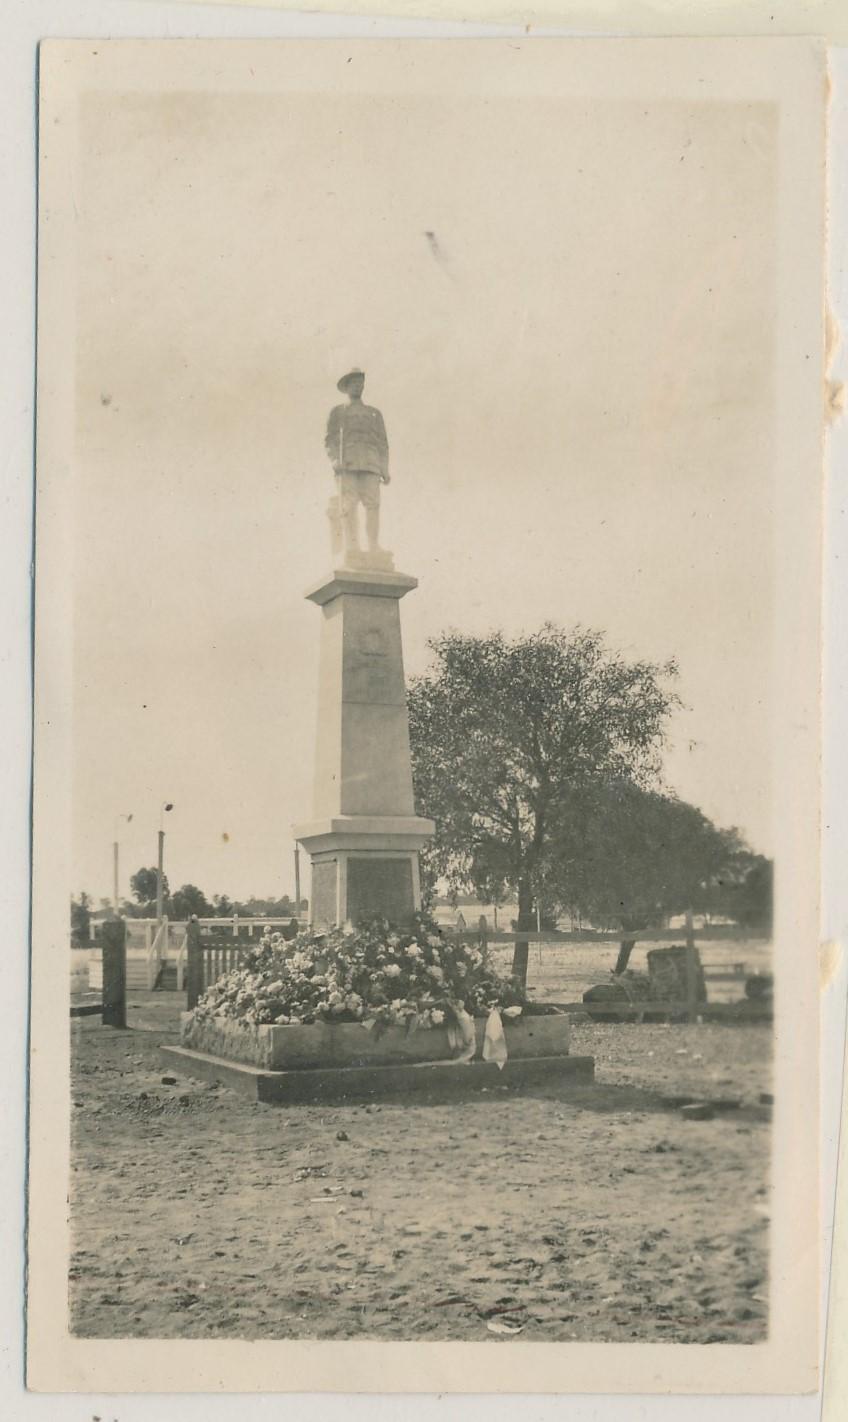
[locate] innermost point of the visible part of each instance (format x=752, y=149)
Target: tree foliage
x=628, y=857
x=743, y=891
x=80, y=918
x=506, y=734
x=189, y=900
x=143, y=885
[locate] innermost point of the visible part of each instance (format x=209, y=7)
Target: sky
x=565, y=312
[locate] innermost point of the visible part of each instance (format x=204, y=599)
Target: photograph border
x=789, y=1357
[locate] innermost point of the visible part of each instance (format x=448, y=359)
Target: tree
x=143, y=885
x=80, y=918
x=130, y=909
x=629, y=857
x=744, y=890
x=754, y=902
x=505, y=734
x=189, y=900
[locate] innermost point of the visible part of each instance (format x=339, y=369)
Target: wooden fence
x=206, y=960
x=692, y=1001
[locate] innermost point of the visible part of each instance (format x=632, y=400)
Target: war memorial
x=363, y=841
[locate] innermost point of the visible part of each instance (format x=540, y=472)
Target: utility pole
x=115, y=875
x=297, y=881
x=160, y=878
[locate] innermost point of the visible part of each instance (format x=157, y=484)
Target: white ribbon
x=494, y=1041
x=461, y=1037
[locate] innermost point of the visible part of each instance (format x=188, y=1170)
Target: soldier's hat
x=346, y=379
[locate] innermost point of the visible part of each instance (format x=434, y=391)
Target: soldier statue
x=359, y=453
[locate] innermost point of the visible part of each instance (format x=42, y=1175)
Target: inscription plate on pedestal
x=379, y=888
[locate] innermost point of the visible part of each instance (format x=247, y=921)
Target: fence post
x=691, y=970
x=194, y=955
x=235, y=925
x=114, y=941
x=521, y=956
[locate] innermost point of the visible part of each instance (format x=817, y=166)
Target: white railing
x=157, y=953
x=80, y=980
x=233, y=925
x=95, y=970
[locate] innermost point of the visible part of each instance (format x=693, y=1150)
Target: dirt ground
x=598, y=1214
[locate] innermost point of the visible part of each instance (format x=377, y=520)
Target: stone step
x=379, y=1082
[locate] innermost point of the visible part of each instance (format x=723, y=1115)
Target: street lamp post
x=115, y=853
x=163, y=810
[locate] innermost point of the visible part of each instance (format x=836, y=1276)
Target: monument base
x=376, y=559
x=294, y=1046
x=370, y=1083
x=364, y=867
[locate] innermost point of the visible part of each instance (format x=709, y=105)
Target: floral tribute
x=375, y=974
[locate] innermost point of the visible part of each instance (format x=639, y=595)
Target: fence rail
x=235, y=927
x=689, y=977
x=715, y=933
x=205, y=962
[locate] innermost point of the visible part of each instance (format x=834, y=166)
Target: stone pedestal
x=364, y=837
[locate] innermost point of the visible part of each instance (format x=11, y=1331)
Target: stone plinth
x=364, y=836
x=434, y=1081
x=326, y=1062
x=292, y=1046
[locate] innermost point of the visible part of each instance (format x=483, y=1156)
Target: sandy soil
x=597, y=1215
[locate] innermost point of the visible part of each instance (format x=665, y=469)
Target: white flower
x=437, y=1016
x=392, y=970
x=436, y=973
x=413, y=951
